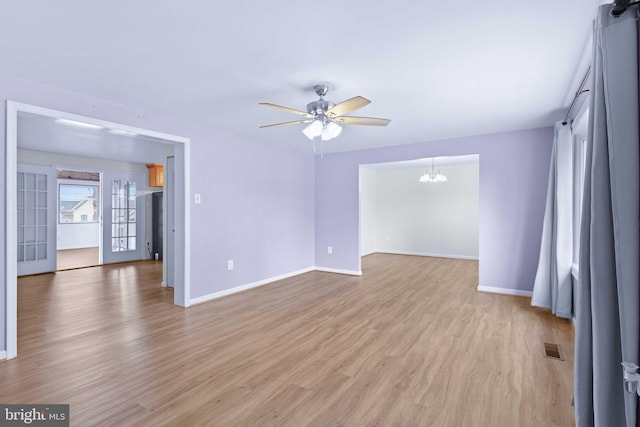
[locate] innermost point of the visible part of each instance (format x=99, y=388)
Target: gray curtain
x=608, y=297
x=552, y=288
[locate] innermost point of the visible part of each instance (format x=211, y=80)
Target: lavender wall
x=257, y=199
x=513, y=182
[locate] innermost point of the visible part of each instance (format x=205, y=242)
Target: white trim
x=505, y=291
x=3, y=355
x=182, y=147
x=368, y=253
x=78, y=247
x=339, y=271
x=11, y=231
x=241, y=288
x=185, y=168
x=474, y=258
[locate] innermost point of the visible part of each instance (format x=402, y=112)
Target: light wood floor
x=411, y=342
x=78, y=258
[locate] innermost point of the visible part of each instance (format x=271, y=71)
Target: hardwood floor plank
x=411, y=342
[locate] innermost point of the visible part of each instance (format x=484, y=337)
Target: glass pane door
x=123, y=217
x=123, y=214
x=36, y=220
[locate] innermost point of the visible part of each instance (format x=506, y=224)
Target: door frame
x=81, y=168
x=182, y=151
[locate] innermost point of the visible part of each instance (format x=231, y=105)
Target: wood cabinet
x=156, y=174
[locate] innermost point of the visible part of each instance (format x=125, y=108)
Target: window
x=579, y=163
x=579, y=169
x=123, y=215
x=79, y=203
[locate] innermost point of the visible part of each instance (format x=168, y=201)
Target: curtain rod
x=579, y=92
x=620, y=6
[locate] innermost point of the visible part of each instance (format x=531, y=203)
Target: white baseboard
x=77, y=247
x=382, y=251
x=505, y=291
x=338, y=270
x=3, y=355
x=163, y=284
x=241, y=288
x=368, y=253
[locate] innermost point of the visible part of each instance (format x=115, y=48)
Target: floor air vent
x=552, y=351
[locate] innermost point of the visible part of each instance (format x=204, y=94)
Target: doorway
x=79, y=219
x=181, y=151
x=422, y=207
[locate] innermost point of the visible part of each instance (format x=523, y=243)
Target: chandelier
x=432, y=175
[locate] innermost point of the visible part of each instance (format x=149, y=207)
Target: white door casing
x=169, y=259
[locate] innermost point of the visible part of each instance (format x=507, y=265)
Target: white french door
x=36, y=210
x=122, y=217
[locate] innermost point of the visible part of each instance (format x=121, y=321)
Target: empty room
x=254, y=213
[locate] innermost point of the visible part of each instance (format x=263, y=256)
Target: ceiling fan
x=325, y=117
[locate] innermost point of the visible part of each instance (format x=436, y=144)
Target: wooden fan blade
x=286, y=109
x=366, y=121
x=297, y=122
x=348, y=106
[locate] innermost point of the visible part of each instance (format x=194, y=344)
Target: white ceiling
x=42, y=133
x=437, y=69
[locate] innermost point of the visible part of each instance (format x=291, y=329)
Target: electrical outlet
x=330, y=250
x=230, y=264
x=197, y=199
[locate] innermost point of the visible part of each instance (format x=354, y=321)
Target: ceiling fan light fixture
x=330, y=131
x=313, y=129
x=324, y=118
